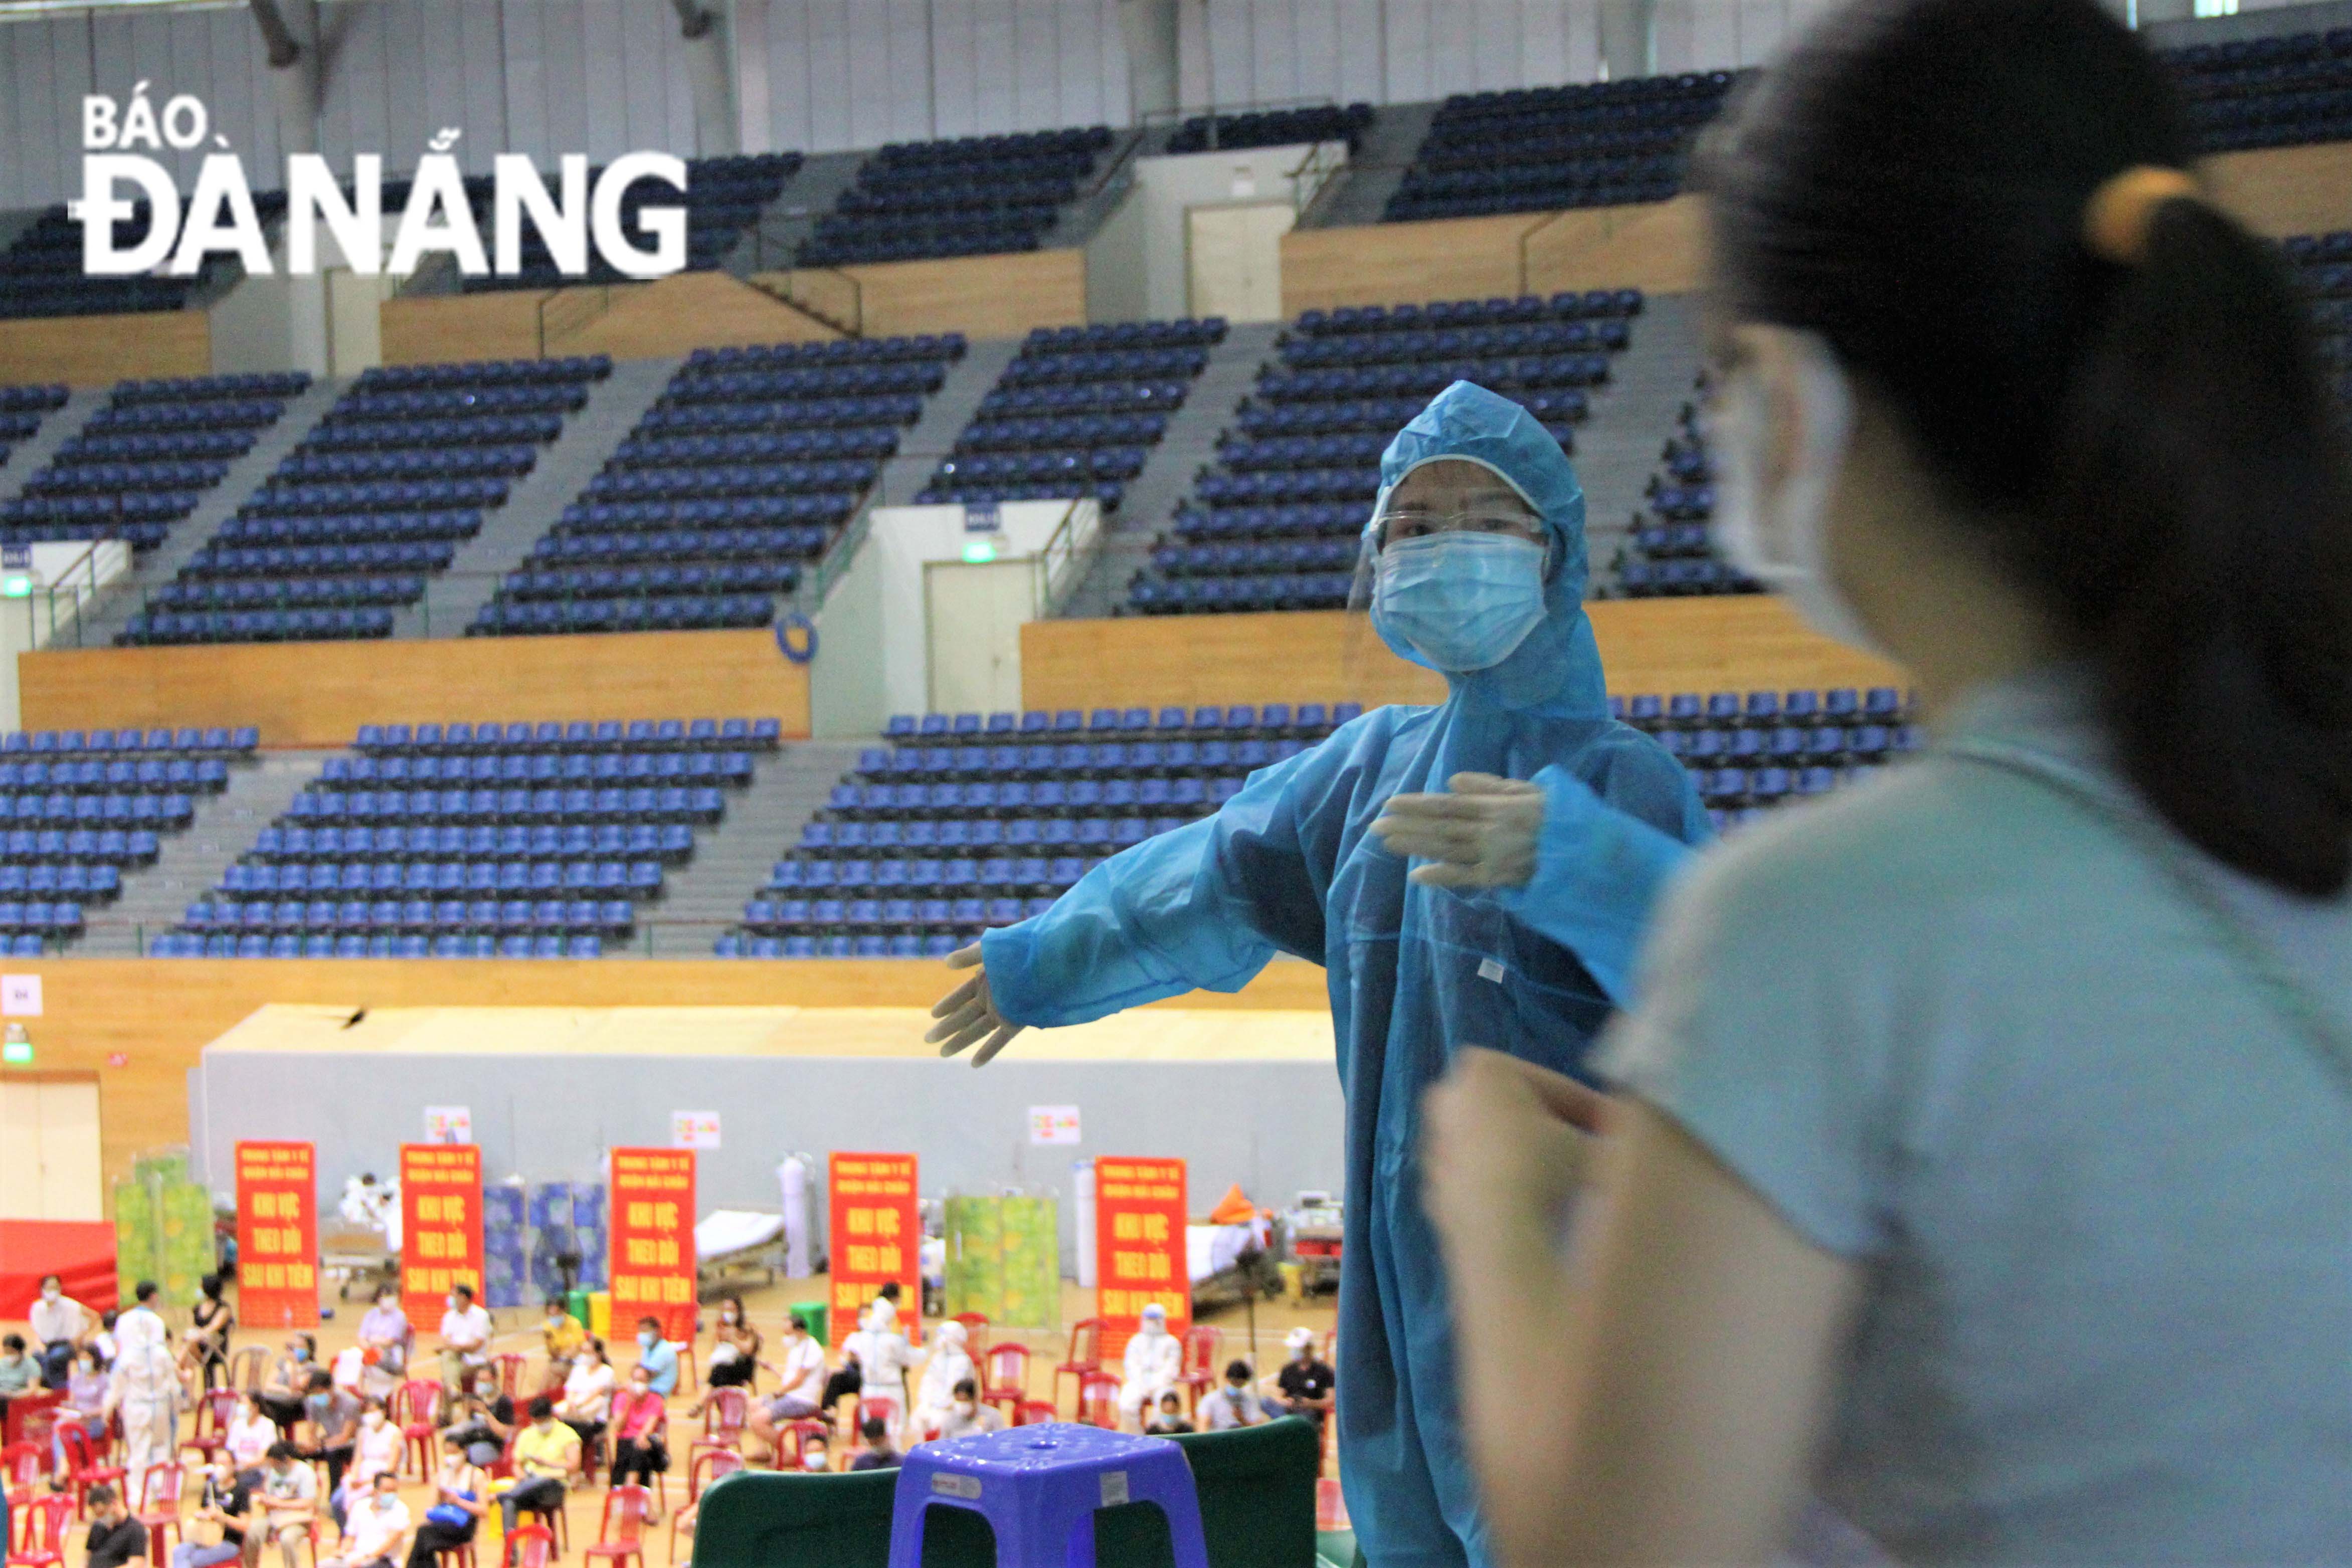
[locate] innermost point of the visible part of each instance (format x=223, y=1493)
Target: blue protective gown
x=1289, y=865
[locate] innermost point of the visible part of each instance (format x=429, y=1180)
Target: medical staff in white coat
x=950, y=1365
x=143, y=1389
x=1155, y=1360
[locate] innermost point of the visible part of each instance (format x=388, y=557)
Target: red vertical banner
x=1140, y=1247
x=440, y=1226
x=876, y=1237
x=276, y=1235
x=652, y=1210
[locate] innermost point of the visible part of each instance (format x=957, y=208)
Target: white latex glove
x=1481, y=833
x=969, y=1013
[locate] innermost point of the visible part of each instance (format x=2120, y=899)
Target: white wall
x=1141, y=252
x=874, y=620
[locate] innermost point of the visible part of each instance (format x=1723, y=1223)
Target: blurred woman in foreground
x=1984, y=1160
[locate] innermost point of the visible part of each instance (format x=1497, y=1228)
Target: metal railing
x=1068, y=552
x=570, y=310
x=1322, y=164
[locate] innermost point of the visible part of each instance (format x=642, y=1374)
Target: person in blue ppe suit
x=1478, y=549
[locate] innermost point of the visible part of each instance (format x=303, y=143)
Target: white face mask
x=371, y=1420
x=812, y=1461
x=1779, y=539
x=964, y=1409
x=50, y=1293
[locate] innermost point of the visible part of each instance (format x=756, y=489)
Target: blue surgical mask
x=647, y=1340
x=1461, y=600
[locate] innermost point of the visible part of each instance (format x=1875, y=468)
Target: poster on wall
x=1052, y=1123
x=1139, y=1246
x=877, y=1236
x=441, y=1226
x=448, y=1124
x=652, y=1216
x=693, y=1129
x=276, y=1235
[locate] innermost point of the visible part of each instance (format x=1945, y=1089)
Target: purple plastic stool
x=1039, y=1486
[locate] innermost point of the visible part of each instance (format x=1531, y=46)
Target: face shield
x=1453, y=563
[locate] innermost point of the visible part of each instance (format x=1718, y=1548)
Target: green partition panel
x=1256, y=1488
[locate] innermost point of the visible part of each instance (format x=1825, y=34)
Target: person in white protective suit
x=950, y=1365
x=143, y=1389
x=883, y=1357
x=1155, y=1360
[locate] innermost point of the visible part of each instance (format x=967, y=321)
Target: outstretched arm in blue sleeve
x=1598, y=873
x=1202, y=908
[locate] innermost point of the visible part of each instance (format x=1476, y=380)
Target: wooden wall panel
x=158, y=1014
x=1648, y=645
x=2282, y=190
x=99, y=351
x=1388, y=263
x=979, y=296
x=435, y=329
x=1658, y=247
x=677, y=315
x=319, y=694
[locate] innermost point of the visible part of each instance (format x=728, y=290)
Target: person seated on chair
x=289, y=1380
x=547, y=1456
x=376, y=1448
x=248, y=1441
x=965, y=1415
x=1170, y=1418
x=464, y=1339
x=289, y=1500
x=385, y=1331
x=483, y=1425
x=18, y=1371
x=1155, y=1360
x=334, y=1416
x=61, y=1327
x=1306, y=1381
x=587, y=1394
x=85, y=1405
x=657, y=1356
x=461, y=1492
x=377, y=1535
x=951, y=1363
x=875, y=1453
x=804, y=1387
x=203, y=1343
x=563, y=1336
x=640, y=1426
x=116, y=1539
x=1235, y=1403
x=215, y=1532
x=735, y=1358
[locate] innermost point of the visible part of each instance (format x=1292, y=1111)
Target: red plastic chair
x=508, y=1368
x=724, y=1412
x=22, y=1466
x=1005, y=1376
x=975, y=1334
x=159, y=1506
x=799, y=1436
x=211, y=1434
x=1098, y=1400
x=1199, y=1374
x=82, y=1469
x=1085, y=1354
x=714, y=1463
x=530, y=1546
x=458, y=1557
x=621, y=1535
x=45, y=1523
x=1034, y=1413
x=416, y=1410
